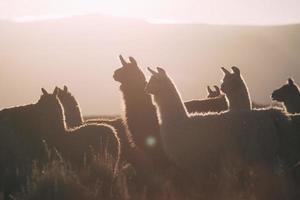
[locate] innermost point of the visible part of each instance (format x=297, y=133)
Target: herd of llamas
x=220, y=147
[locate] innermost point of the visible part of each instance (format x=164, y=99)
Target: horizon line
x=158, y=21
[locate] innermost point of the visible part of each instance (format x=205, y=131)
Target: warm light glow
x=168, y=11
x=24, y=19
x=165, y=21
x=82, y=51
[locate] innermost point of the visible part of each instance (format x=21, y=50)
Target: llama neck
x=239, y=100
x=292, y=105
x=134, y=96
x=137, y=102
x=73, y=117
x=171, y=107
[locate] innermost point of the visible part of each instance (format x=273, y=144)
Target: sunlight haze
x=77, y=43
x=192, y=11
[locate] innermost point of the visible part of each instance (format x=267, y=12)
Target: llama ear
x=55, y=92
x=226, y=72
x=44, y=91
x=65, y=88
x=122, y=60
x=291, y=81
x=217, y=89
x=132, y=60
x=209, y=90
x=152, y=71
x=236, y=70
x=161, y=70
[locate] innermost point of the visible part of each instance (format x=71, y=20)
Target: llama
x=215, y=102
x=140, y=113
x=71, y=107
x=201, y=143
x=73, y=118
x=289, y=95
x=75, y=143
x=129, y=152
x=234, y=86
x=20, y=145
x=237, y=91
x=25, y=127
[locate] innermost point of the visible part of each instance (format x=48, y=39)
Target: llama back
x=251, y=135
x=123, y=134
x=216, y=104
x=99, y=139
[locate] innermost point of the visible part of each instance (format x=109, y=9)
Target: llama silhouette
x=73, y=119
x=198, y=143
x=236, y=90
x=129, y=153
x=215, y=102
x=140, y=112
x=75, y=144
x=21, y=143
x=142, y=121
x=26, y=127
x=289, y=95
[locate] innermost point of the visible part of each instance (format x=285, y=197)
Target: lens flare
x=151, y=141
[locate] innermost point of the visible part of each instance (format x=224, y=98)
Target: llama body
x=289, y=95
x=200, y=144
x=126, y=143
x=73, y=119
x=181, y=131
x=21, y=143
x=215, y=104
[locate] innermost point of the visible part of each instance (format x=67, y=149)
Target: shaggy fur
x=234, y=86
x=289, y=95
x=215, y=102
x=72, y=110
x=140, y=113
x=201, y=144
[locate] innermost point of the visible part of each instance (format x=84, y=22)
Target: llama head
x=50, y=110
x=157, y=81
x=213, y=93
x=129, y=73
x=286, y=92
x=66, y=98
x=232, y=81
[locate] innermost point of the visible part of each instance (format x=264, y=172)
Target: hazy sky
x=209, y=11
